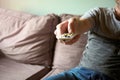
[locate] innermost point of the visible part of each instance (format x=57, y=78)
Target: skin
x=79, y=25
x=117, y=9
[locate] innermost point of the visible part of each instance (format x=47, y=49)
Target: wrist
x=78, y=24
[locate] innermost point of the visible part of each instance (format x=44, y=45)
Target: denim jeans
x=79, y=73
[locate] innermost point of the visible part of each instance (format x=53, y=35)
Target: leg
x=79, y=74
x=67, y=75
x=73, y=74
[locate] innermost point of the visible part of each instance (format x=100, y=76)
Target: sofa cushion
x=27, y=38
x=68, y=56
x=11, y=70
x=1, y=54
x=67, y=16
x=54, y=71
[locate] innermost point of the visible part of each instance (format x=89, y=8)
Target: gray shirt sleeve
x=104, y=22
x=92, y=16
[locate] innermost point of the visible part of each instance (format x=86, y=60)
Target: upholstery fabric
x=67, y=16
x=54, y=71
x=12, y=70
x=27, y=38
x=68, y=56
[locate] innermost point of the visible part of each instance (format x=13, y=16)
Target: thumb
x=71, y=26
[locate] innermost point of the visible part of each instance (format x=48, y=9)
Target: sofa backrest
x=68, y=56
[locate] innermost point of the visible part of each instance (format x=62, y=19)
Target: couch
x=29, y=49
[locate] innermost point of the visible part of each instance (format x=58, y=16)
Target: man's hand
x=68, y=26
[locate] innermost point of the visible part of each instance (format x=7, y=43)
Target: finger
x=71, y=25
x=76, y=38
x=61, y=28
x=55, y=32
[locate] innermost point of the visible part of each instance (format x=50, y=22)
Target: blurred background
x=42, y=7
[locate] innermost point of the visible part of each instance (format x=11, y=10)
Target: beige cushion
x=68, y=56
x=27, y=38
x=11, y=70
x=53, y=72
x=67, y=16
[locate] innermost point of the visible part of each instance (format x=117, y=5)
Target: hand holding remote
x=67, y=31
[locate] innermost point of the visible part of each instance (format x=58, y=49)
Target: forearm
x=83, y=25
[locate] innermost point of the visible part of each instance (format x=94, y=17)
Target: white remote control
x=66, y=36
